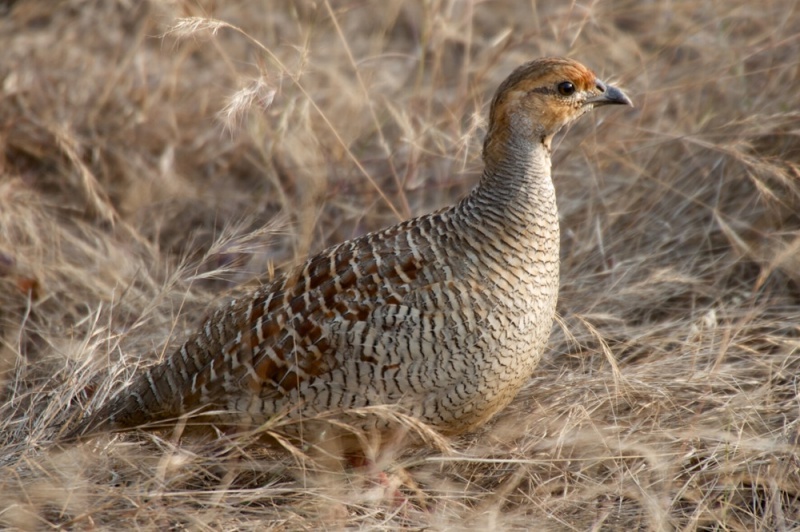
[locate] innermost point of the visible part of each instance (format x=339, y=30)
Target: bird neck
x=517, y=167
x=516, y=188
x=516, y=154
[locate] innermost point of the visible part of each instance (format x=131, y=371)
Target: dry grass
x=154, y=162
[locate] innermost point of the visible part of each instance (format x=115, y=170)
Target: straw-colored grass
x=158, y=157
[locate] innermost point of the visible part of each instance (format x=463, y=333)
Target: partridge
x=444, y=316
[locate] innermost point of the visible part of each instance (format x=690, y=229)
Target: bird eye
x=566, y=88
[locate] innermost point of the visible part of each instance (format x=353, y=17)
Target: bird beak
x=608, y=95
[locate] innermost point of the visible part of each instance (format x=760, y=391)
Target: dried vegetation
x=156, y=157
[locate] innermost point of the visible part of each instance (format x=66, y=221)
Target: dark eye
x=566, y=88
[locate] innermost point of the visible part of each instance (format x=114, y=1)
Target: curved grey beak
x=608, y=95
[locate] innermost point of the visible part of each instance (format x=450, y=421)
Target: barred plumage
x=445, y=315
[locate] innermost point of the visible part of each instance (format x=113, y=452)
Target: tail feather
x=133, y=407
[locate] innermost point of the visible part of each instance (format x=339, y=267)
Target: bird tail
x=133, y=407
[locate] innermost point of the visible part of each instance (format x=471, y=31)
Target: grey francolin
x=444, y=316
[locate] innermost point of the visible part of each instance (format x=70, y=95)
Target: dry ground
x=150, y=167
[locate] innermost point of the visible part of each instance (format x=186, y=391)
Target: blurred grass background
x=154, y=161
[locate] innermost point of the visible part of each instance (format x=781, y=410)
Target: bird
x=443, y=317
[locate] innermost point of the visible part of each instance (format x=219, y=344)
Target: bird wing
x=348, y=306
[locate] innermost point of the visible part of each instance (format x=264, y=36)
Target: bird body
x=444, y=316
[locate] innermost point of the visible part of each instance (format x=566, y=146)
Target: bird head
x=541, y=97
